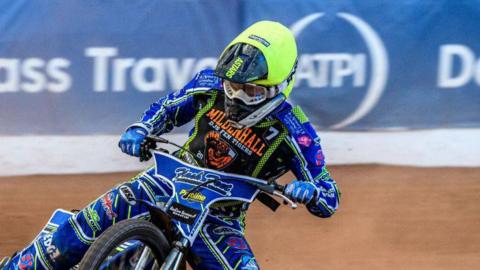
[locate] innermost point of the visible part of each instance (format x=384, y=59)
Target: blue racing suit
x=283, y=141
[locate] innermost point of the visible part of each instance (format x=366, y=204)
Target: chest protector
x=215, y=144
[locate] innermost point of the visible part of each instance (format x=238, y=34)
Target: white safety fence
x=26, y=155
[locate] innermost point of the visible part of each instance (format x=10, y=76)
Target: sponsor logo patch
x=237, y=243
x=259, y=39
x=218, y=154
x=234, y=68
x=185, y=175
x=319, y=158
x=304, y=140
x=183, y=213
x=52, y=251
x=330, y=193
x=223, y=230
x=107, y=204
x=192, y=196
x=26, y=261
x=245, y=139
x=92, y=218
x=127, y=194
x=293, y=124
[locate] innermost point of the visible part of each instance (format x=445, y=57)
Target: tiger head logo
x=219, y=154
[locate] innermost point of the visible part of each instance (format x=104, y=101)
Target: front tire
x=130, y=229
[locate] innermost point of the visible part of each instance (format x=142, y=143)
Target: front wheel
x=125, y=244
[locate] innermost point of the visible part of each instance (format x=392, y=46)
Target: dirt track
x=389, y=218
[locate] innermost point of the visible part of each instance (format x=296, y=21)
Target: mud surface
x=389, y=218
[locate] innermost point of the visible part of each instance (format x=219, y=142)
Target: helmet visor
x=242, y=63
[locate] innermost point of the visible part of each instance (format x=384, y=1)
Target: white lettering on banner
x=100, y=65
x=469, y=66
x=330, y=69
x=10, y=75
x=144, y=74
x=56, y=69
x=120, y=67
x=34, y=75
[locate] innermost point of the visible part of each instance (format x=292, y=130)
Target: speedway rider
x=242, y=124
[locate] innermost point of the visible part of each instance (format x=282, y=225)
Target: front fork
x=173, y=260
x=161, y=219
x=145, y=257
x=175, y=257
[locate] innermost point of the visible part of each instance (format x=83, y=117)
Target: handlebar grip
x=148, y=144
x=145, y=147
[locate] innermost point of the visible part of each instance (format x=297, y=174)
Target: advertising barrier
x=92, y=67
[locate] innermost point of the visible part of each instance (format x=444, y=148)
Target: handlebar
x=277, y=190
x=158, y=139
x=151, y=141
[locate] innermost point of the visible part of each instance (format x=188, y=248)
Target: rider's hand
x=299, y=191
x=131, y=140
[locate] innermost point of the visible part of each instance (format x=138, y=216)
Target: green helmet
x=265, y=54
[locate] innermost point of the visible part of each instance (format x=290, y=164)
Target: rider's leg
x=221, y=244
x=66, y=246
x=4, y=262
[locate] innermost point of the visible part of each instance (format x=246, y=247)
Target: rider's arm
x=177, y=108
x=308, y=164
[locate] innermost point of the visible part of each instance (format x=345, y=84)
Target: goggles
x=251, y=94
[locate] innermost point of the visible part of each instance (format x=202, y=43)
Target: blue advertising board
x=93, y=67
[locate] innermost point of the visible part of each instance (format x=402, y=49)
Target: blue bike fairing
x=211, y=186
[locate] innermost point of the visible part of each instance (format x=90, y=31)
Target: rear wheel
x=124, y=246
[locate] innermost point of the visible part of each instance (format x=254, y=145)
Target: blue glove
x=299, y=191
x=131, y=141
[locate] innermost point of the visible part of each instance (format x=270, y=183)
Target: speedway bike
x=163, y=241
